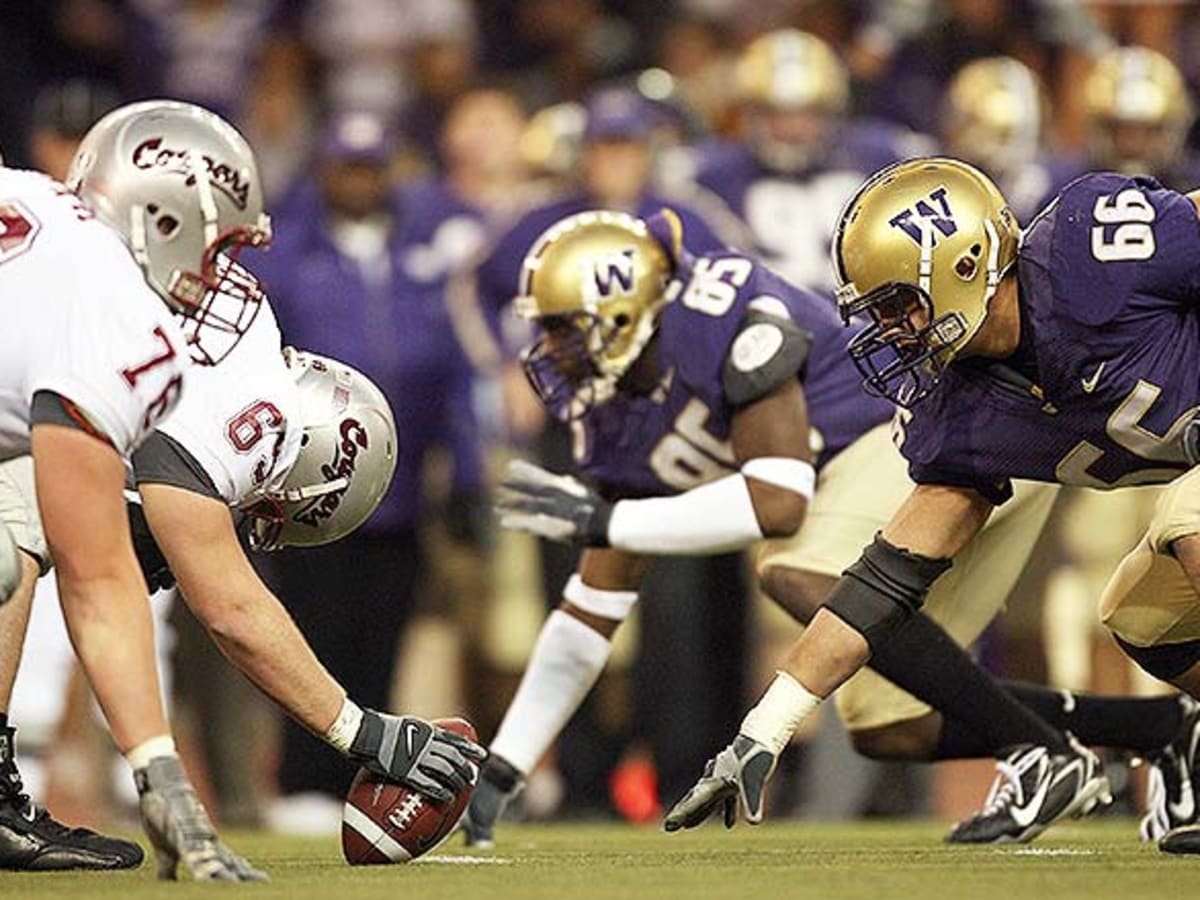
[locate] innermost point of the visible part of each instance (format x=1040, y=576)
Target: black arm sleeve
x=767, y=351
x=49, y=408
x=163, y=460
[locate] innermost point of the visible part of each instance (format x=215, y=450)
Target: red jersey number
x=247, y=428
x=18, y=229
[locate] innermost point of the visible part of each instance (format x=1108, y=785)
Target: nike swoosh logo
x=1024, y=815
x=410, y=732
x=1089, y=384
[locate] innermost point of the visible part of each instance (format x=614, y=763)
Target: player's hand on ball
x=557, y=507
x=180, y=830
x=431, y=760
x=735, y=776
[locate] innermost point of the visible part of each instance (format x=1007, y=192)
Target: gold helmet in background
x=920, y=249
x=1138, y=111
x=792, y=88
x=552, y=141
x=993, y=114
x=593, y=283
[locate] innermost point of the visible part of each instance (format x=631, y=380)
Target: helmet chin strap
x=208, y=203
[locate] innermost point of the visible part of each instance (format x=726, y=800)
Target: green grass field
x=1093, y=860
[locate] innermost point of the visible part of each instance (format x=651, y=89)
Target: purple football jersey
x=677, y=436
x=1109, y=283
x=792, y=214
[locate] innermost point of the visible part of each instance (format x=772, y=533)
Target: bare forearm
x=113, y=634
x=260, y=638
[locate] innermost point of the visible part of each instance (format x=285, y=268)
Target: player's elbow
x=780, y=513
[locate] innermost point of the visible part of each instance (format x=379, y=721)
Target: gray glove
x=418, y=754
x=180, y=829
x=557, y=507
x=738, y=773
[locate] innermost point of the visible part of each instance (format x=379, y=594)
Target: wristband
x=342, y=732
x=779, y=713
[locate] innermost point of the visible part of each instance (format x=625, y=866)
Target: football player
x=993, y=117
x=800, y=157
x=1138, y=114
x=1069, y=354
x=303, y=448
x=695, y=388
x=162, y=198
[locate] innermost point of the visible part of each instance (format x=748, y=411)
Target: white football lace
x=1006, y=789
x=1157, y=820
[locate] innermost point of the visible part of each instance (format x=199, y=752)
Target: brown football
x=384, y=823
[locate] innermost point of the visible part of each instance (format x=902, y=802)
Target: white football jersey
x=77, y=318
x=240, y=418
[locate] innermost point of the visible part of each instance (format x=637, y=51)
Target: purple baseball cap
x=618, y=113
x=358, y=137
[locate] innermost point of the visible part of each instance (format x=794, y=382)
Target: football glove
x=558, y=507
x=736, y=775
x=418, y=754
x=180, y=830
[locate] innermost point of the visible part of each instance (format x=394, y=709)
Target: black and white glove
x=736, y=775
x=180, y=830
x=558, y=507
x=418, y=754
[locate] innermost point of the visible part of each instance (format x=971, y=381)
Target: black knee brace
x=1165, y=661
x=882, y=589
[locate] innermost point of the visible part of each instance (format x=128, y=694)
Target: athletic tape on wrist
x=139, y=757
x=606, y=604
x=344, y=730
x=717, y=517
x=779, y=713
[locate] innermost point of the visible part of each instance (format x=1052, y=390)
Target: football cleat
x=1035, y=788
x=32, y=840
x=1172, y=794
x=1182, y=840
x=499, y=784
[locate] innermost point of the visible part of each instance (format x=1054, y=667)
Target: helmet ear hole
x=166, y=225
x=621, y=320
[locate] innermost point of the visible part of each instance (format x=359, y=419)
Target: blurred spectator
x=358, y=271
x=993, y=116
x=1138, y=115
x=905, y=49
x=62, y=114
x=689, y=600
x=365, y=49
x=481, y=149
x=800, y=157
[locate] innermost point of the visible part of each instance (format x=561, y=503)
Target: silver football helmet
x=181, y=186
x=346, y=460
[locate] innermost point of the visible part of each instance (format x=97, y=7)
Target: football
x=384, y=823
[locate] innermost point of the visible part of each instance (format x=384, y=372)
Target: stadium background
x=456, y=87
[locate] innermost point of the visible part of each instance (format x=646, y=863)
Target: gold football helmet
x=1138, y=111
x=921, y=249
x=993, y=114
x=593, y=283
x=792, y=88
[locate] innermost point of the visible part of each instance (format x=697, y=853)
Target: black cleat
x=499, y=783
x=1034, y=789
x=32, y=841
x=1183, y=840
x=1172, y=791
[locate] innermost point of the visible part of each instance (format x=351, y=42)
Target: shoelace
x=1007, y=789
x=1156, y=822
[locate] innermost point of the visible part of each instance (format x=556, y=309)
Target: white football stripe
x=372, y=833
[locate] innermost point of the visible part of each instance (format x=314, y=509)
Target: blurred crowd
x=412, y=151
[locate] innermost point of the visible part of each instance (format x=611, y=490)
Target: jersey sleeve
x=162, y=460
x=120, y=364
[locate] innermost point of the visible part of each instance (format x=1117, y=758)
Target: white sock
x=567, y=659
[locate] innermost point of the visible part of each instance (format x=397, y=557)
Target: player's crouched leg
x=1152, y=607
x=30, y=839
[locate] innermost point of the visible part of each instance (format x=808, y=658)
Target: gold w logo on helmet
x=928, y=214
x=611, y=273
